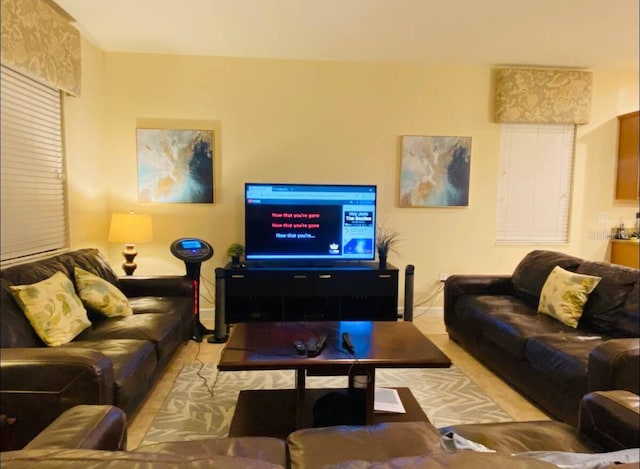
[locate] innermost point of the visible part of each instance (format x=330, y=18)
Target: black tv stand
x=301, y=265
x=350, y=292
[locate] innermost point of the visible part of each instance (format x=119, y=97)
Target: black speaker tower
x=408, y=293
x=221, y=331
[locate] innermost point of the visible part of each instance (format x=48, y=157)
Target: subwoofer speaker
x=220, y=333
x=408, y=292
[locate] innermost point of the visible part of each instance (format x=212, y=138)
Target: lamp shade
x=130, y=228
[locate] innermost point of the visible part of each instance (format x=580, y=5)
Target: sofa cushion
x=100, y=295
x=563, y=358
x=511, y=330
x=15, y=328
x=627, y=319
x=163, y=330
x=89, y=259
x=318, y=447
x=517, y=437
x=473, y=308
x=53, y=308
x=608, y=298
x=55, y=458
x=458, y=460
x=564, y=295
x=268, y=449
x=532, y=271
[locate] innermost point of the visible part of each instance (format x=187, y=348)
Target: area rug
x=196, y=410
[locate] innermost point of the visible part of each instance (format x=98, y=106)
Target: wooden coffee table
x=269, y=346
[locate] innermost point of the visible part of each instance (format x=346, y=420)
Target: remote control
x=300, y=347
x=346, y=342
x=315, y=345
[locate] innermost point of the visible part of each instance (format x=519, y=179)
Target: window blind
x=33, y=201
x=534, y=183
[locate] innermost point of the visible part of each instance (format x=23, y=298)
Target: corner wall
x=85, y=158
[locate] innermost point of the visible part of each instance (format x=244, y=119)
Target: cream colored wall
x=615, y=93
x=297, y=121
x=84, y=143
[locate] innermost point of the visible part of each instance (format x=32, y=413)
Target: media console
x=337, y=293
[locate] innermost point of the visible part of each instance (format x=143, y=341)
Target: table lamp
x=130, y=228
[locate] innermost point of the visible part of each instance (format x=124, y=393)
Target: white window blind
x=32, y=177
x=534, y=183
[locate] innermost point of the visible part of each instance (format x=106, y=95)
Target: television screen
x=309, y=222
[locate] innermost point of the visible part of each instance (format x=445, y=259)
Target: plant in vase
x=386, y=240
x=235, y=251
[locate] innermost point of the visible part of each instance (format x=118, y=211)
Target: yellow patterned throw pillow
x=100, y=295
x=53, y=309
x=564, y=295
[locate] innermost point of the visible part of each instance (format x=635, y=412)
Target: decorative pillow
x=98, y=294
x=53, y=309
x=564, y=294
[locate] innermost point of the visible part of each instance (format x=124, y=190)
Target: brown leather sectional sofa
x=95, y=436
x=114, y=361
x=494, y=317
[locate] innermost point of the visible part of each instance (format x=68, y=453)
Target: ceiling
x=564, y=33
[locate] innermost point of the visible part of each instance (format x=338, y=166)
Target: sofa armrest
x=611, y=418
x=458, y=285
x=159, y=285
x=38, y=384
x=101, y=427
x=615, y=364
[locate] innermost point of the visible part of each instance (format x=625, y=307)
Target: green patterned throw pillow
x=53, y=309
x=100, y=295
x=564, y=295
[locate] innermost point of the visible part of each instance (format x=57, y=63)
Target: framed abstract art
x=175, y=165
x=434, y=171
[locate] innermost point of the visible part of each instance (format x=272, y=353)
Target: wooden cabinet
x=627, y=182
x=361, y=293
x=625, y=252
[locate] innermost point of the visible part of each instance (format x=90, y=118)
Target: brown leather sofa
x=494, y=317
x=93, y=436
x=114, y=361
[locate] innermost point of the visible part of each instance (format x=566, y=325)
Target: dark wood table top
x=377, y=344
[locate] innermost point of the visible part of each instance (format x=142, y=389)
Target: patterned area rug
x=190, y=412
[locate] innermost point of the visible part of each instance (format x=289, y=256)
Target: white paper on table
x=387, y=400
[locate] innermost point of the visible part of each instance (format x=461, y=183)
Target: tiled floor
x=432, y=325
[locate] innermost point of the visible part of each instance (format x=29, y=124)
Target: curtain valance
x=543, y=96
x=39, y=42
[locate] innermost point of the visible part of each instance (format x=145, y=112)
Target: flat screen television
x=313, y=223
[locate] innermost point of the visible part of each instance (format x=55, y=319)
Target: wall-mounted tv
x=309, y=222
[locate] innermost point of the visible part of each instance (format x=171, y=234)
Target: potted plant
x=235, y=251
x=386, y=240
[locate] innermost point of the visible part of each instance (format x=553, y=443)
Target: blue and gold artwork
x=435, y=171
x=175, y=166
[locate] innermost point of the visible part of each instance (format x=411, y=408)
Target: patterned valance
x=543, y=96
x=39, y=42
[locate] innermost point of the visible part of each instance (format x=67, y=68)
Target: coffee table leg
x=300, y=388
x=370, y=397
x=355, y=381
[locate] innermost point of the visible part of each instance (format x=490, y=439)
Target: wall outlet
x=443, y=276
x=603, y=217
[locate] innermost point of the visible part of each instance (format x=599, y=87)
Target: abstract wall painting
x=435, y=171
x=175, y=165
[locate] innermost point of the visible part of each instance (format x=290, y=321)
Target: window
x=32, y=177
x=534, y=183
